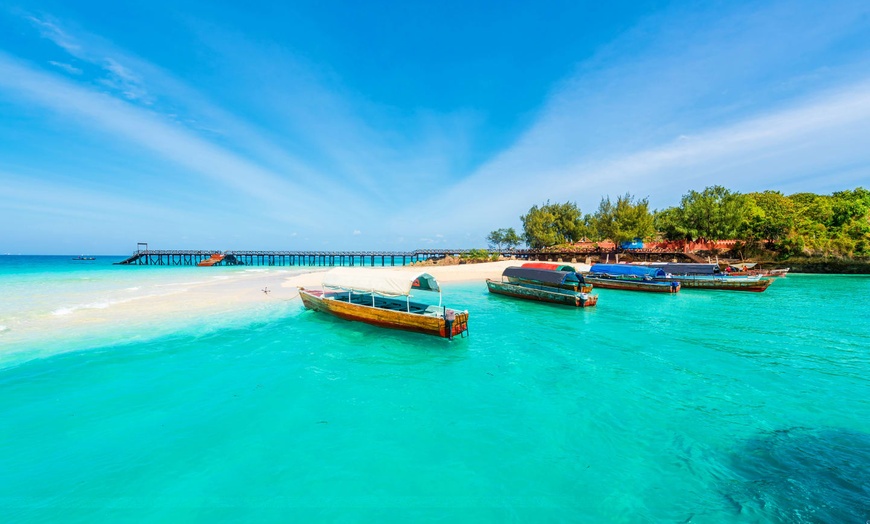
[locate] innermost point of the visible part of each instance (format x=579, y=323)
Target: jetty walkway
x=151, y=257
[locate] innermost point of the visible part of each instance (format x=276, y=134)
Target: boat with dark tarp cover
x=544, y=285
x=584, y=286
x=631, y=278
x=383, y=297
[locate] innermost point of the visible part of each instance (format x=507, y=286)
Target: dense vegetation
x=802, y=224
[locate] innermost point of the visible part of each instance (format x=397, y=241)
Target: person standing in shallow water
x=449, y=317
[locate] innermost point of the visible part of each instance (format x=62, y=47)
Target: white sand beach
x=444, y=274
x=212, y=297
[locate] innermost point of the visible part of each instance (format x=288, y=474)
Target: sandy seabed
x=217, y=299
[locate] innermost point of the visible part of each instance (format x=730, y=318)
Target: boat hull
x=582, y=288
x=542, y=295
x=756, y=285
x=402, y=320
x=634, y=285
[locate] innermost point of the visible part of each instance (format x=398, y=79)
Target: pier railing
x=191, y=257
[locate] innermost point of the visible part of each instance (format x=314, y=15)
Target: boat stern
x=586, y=300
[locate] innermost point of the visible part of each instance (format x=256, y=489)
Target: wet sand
x=213, y=300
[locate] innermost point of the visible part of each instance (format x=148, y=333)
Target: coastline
x=167, y=302
x=444, y=274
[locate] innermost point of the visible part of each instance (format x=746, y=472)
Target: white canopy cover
x=381, y=281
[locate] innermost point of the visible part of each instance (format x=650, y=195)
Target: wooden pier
x=150, y=257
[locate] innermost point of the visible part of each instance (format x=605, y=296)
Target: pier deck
x=151, y=257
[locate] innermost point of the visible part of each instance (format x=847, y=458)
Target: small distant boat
x=543, y=285
x=748, y=269
x=214, y=260
x=382, y=297
x=82, y=257
x=631, y=278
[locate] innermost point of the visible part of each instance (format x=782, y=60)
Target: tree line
x=798, y=224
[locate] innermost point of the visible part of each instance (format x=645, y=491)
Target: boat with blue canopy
x=631, y=278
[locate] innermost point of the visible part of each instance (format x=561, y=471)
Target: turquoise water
x=698, y=407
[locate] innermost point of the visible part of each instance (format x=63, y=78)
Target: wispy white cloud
x=49, y=29
x=66, y=67
x=165, y=138
x=728, y=101
x=687, y=99
x=125, y=81
x=816, y=136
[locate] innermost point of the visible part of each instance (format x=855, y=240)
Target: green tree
x=714, y=213
x=495, y=239
x=770, y=216
x=506, y=237
x=511, y=238
x=626, y=219
x=669, y=222
x=552, y=224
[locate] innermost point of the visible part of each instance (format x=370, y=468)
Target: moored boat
x=383, y=298
x=584, y=286
x=630, y=278
x=82, y=257
x=749, y=269
x=543, y=285
x=727, y=283
x=549, y=265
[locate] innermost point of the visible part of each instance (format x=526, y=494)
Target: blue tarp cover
x=626, y=270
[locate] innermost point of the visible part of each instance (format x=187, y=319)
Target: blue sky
x=376, y=125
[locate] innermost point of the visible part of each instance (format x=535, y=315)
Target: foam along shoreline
x=75, y=319
x=161, y=307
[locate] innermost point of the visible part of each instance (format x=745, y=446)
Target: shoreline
x=444, y=274
x=60, y=321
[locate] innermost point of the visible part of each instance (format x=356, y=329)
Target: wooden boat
x=215, y=259
x=82, y=257
x=728, y=283
x=710, y=276
x=748, y=269
x=549, y=265
x=383, y=298
x=544, y=285
x=630, y=278
x=584, y=286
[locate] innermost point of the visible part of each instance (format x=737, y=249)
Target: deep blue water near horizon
x=698, y=407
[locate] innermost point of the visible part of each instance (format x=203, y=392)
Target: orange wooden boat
x=215, y=259
x=383, y=297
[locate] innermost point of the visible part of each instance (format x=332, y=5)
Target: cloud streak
x=170, y=141
x=661, y=121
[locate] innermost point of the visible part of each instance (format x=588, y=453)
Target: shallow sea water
x=698, y=407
